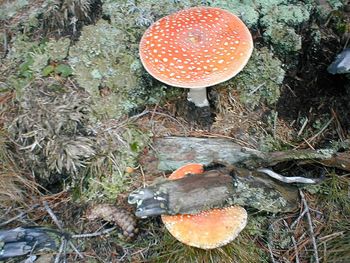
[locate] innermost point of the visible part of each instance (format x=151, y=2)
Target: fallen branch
x=170, y=153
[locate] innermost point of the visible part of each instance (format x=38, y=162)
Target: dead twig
x=60, y=250
x=311, y=229
x=271, y=253
x=18, y=216
x=59, y=225
x=303, y=126
x=322, y=130
x=294, y=242
x=99, y=233
x=52, y=215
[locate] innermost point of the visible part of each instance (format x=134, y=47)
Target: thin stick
x=290, y=89
x=53, y=216
x=18, y=216
x=60, y=251
x=311, y=229
x=59, y=225
x=271, y=253
x=298, y=219
x=256, y=89
x=308, y=144
x=75, y=249
x=303, y=126
x=143, y=177
x=322, y=130
x=294, y=243
x=275, y=121
x=100, y=233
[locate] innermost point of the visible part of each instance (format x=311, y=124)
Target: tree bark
x=215, y=189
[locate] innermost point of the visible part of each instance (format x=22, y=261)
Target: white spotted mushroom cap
x=196, y=47
x=209, y=229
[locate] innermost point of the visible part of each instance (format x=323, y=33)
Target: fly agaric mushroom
x=208, y=229
x=196, y=48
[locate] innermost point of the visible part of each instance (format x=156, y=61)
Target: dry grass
x=15, y=183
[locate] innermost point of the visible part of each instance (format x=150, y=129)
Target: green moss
x=106, y=172
x=269, y=3
x=291, y=15
x=32, y=57
x=283, y=38
x=245, y=9
x=336, y=4
x=21, y=45
x=279, y=22
x=260, y=80
x=103, y=59
x=58, y=49
x=94, y=56
x=278, y=18
x=10, y=8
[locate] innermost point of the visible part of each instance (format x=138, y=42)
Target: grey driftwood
x=169, y=153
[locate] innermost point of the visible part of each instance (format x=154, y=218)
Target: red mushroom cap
x=208, y=229
x=196, y=48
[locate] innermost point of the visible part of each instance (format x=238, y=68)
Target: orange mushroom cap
x=208, y=229
x=196, y=47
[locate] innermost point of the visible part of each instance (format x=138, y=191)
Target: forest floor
x=312, y=112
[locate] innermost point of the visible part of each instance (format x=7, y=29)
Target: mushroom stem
x=198, y=96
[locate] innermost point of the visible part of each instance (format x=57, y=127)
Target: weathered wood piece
x=215, y=189
x=170, y=153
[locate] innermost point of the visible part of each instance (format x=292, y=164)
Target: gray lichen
x=10, y=8
x=260, y=80
x=58, y=49
x=245, y=9
x=104, y=65
x=290, y=15
x=283, y=38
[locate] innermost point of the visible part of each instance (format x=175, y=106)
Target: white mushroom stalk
x=198, y=97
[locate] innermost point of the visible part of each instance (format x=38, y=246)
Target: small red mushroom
x=208, y=229
x=196, y=48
